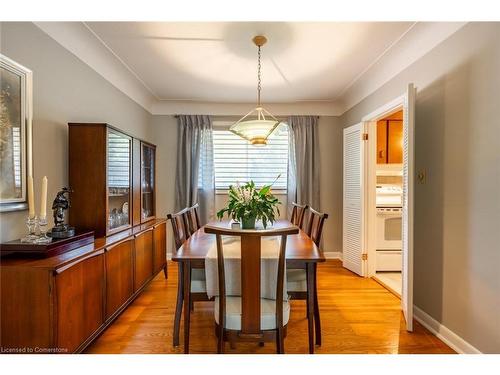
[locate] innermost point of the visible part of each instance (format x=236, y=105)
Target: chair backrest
x=193, y=218
x=180, y=226
x=315, y=225
x=250, y=275
x=298, y=213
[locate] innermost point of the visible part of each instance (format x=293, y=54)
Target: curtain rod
x=278, y=117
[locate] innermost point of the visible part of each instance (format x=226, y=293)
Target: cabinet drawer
x=143, y=260
x=389, y=260
x=79, y=290
x=119, y=275
x=160, y=247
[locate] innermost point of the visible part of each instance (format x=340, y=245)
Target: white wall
x=64, y=90
x=457, y=210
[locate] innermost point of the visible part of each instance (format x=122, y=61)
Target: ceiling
x=217, y=61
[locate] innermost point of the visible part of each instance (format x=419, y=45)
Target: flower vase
x=248, y=222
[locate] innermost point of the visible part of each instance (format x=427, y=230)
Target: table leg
x=317, y=321
x=310, y=305
x=178, y=306
x=187, y=304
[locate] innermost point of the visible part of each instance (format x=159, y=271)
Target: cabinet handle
x=144, y=231
x=118, y=243
x=381, y=154
x=92, y=255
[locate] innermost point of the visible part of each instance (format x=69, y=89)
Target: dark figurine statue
x=59, y=206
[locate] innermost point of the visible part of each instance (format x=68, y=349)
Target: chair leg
x=165, y=272
x=220, y=341
x=317, y=320
x=310, y=304
x=187, y=302
x=232, y=344
x=307, y=308
x=178, y=306
x=280, y=344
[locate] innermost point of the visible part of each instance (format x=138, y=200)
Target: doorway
x=395, y=174
x=388, y=201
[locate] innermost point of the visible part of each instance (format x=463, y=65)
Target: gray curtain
x=303, y=168
x=195, y=181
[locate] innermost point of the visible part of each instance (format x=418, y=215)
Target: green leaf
x=265, y=190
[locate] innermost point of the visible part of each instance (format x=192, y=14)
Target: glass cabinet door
x=147, y=181
x=119, y=180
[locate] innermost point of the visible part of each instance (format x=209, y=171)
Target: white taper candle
x=31, y=197
x=43, y=198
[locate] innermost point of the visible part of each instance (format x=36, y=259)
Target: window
x=235, y=159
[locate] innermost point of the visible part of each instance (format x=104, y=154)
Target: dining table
x=301, y=253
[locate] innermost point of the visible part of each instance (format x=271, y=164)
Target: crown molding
x=413, y=45
x=77, y=38
x=85, y=45
x=173, y=107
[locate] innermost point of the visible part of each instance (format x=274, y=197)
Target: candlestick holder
x=31, y=223
x=43, y=225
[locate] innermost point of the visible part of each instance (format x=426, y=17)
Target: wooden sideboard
x=60, y=304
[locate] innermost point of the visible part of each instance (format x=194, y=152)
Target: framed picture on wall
x=16, y=108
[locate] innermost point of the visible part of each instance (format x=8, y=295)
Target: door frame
x=371, y=179
x=364, y=202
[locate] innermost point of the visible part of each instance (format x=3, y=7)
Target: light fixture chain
x=259, y=86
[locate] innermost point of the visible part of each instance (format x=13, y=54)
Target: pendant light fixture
x=257, y=125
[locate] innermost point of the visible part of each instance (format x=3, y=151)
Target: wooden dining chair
x=297, y=278
x=315, y=225
x=250, y=317
x=181, y=232
x=298, y=213
x=193, y=218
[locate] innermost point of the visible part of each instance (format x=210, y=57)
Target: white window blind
x=16, y=135
x=235, y=159
x=118, y=161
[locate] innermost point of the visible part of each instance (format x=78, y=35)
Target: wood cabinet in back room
x=390, y=139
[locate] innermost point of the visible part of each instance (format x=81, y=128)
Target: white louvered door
x=407, y=202
x=354, y=222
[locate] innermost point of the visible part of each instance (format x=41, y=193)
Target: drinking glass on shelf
x=111, y=221
x=123, y=218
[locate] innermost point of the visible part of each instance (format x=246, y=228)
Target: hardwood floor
x=358, y=316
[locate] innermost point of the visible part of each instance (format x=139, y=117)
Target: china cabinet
x=148, y=152
x=112, y=176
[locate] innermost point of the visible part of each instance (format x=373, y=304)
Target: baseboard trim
x=333, y=255
x=446, y=335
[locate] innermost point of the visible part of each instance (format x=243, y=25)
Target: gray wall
x=65, y=90
x=164, y=132
x=457, y=210
x=330, y=154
